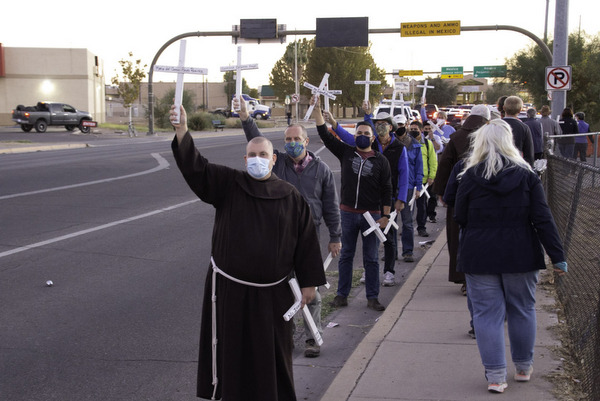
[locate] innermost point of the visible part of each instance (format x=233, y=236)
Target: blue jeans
x=494, y=296
x=353, y=225
x=407, y=236
x=567, y=150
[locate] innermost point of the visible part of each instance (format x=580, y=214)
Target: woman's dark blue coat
x=504, y=223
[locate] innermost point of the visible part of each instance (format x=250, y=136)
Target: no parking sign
x=558, y=78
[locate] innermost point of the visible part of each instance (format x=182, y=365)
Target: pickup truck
x=44, y=114
x=254, y=107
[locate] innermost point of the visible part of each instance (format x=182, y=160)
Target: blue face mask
x=257, y=167
x=362, y=141
x=294, y=149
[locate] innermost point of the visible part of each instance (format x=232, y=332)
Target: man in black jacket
x=366, y=187
x=521, y=132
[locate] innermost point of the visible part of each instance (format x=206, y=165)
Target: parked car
x=385, y=106
x=44, y=114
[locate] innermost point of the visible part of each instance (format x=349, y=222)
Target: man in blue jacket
x=386, y=143
x=314, y=180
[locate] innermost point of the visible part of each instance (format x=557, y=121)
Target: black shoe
x=312, y=349
x=432, y=219
x=408, y=258
x=374, y=304
x=339, y=301
x=422, y=232
x=472, y=333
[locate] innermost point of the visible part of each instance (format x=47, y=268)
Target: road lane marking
x=93, y=229
x=162, y=164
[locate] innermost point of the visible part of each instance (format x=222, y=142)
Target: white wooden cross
x=326, y=265
x=321, y=90
x=391, y=222
x=331, y=91
x=400, y=101
x=374, y=226
x=414, y=197
x=238, y=72
x=305, y=312
x=424, y=86
x=366, y=83
x=180, y=70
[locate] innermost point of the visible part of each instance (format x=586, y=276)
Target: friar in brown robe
x=263, y=233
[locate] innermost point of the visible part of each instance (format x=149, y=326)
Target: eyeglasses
x=378, y=123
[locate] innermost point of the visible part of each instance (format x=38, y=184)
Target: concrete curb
x=20, y=148
x=348, y=377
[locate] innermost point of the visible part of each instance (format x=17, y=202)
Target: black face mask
x=414, y=134
x=401, y=131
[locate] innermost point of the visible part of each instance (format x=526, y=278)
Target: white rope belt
x=214, y=313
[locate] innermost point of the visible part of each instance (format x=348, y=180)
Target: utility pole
x=560, y=52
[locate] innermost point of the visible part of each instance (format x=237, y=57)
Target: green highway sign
x=452, y=72
x=489, y=71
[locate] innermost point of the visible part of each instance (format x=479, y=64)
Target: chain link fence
x=573, y=191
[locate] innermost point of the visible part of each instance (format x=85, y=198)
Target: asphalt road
x=126, y=245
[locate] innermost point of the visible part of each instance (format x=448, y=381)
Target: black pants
x=581, y=149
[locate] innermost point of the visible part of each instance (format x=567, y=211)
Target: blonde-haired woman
x=504, y=219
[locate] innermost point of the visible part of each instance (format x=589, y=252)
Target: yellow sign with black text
x=435, y=28
x=404, y=73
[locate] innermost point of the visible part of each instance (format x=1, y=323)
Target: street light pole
x=560, y=51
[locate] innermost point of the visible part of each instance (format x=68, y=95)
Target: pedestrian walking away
x=505, y=220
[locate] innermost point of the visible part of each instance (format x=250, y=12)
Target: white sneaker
x=497, y=387
x=363, y=278
x=388, y=279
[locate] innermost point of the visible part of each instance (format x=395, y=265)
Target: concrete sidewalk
x=420, y=350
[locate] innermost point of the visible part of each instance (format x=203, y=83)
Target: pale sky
x=111, y=29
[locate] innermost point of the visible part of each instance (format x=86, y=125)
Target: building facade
x=31, y=75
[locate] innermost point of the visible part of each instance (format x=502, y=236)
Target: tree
x=345, y=65
x=527, y=68
x=282, y=77
x=162, y=107
x=501, y=88
x=443, y=93
x=128, y=84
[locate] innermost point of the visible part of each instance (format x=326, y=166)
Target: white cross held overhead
x=331, y=91
x=305, y=312
x=366, y=83
x=374, y=226
x=180, y=70
x=238, y=72
x=400, y=102
x=424, y=86
x=321, y=90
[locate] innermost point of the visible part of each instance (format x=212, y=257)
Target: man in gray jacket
x=314, y=180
